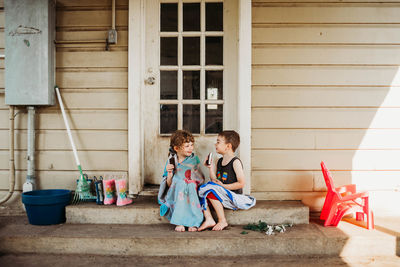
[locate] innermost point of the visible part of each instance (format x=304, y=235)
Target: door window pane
x=168, y=118
x=214, y=118
x=214, y=51
x=191, y=16
x=214, y=85
x=191, y=118
x=168, y=84
x=191, y=50
x=169, y=18
x=169, y=51
x=191, y=85
x=214, y=17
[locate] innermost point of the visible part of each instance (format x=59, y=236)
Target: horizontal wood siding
x=325, y=86
x=94, y=87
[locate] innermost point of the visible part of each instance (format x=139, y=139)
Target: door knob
x=150, y=80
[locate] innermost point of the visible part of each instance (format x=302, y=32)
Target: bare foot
x=220, y=226
x=180, y=228
x=192, y=229
x=208, y=223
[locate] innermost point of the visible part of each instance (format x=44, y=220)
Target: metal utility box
x=29, y=52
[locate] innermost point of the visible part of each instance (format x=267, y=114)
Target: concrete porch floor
x=156, y=245
x=50, y=260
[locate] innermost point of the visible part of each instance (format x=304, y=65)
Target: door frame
x=136, y=77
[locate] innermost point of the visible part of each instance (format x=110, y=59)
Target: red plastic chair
x=344, y=200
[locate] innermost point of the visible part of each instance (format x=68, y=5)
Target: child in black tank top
x=229, y=174
x=226, y=173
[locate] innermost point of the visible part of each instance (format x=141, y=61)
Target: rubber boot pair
x=115, y=191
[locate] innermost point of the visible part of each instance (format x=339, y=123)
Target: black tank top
x=226, y=174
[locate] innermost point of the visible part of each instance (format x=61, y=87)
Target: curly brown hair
x=180, y=137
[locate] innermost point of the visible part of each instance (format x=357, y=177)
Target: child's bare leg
x=180, y=228
x=219, y=209
x=208, y=221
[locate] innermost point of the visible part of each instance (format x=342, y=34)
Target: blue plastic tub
x=45, y=207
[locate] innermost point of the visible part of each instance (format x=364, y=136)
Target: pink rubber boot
x=109, y=192
x=122, y=199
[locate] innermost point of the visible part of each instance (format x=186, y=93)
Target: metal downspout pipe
x=11, y=155
x=113, y=15
x=30, y=183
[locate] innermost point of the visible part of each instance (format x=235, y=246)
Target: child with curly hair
x=178, y=190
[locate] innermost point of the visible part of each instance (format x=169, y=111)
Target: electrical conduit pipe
x=30, y=183
x=11, y=162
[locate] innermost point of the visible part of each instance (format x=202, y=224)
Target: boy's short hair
x=180, y=137
x=231, y=137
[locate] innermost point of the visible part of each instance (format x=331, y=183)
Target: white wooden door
x=190, y=76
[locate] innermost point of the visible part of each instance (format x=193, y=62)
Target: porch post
x=244, y=88
x=135, y=83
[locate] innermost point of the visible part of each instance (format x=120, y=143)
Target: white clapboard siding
x=367, y=160
x=327, y=34
x=326, y=14
x=78, y=119
x=282, y=181
x=94, y=99
x=327, y=75
x=91, y=18
x=257, y=3
x=92, y=79
x=353, y=139
x=104, y=59
x=325, y=118
x=1, y=78
x=89, y=36
x=324, y=55
x=64, y=160
x=63, y=4
x=325, y=86
x=57, y=179
x=325, y=96
x=365, y=180
x=314, y=181
x=58, y=140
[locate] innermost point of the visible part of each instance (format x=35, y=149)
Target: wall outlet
x=112, y=36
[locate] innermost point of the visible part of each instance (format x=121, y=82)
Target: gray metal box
x=29, y=52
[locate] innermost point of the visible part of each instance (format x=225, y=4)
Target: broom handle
x=68, y=130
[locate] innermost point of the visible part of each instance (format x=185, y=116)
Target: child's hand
x=170, y=168
x=218, y=182
x=205, y=163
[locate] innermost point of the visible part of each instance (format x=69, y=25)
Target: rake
x=82, y=192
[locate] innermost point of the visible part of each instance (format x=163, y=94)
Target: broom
x=82, y=192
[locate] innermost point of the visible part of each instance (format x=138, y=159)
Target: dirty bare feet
x=208, y=223
x=180, y=228
x=192, y=229
x=220, y=226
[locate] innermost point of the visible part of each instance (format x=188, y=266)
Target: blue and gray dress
x=180, y=202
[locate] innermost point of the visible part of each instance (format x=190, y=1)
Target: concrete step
x=145, y=210
x=67, y=260
x=17, y=236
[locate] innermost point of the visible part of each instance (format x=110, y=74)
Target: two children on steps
x=183, y=197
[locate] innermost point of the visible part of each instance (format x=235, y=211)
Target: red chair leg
x=370, y=221
x=339, y=216
x=327, y=207
x=370, y=214
x=332, y=214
